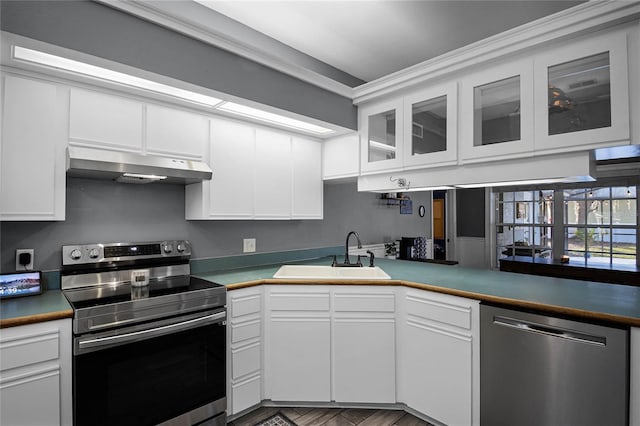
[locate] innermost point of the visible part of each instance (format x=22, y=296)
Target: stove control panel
x=114, y=252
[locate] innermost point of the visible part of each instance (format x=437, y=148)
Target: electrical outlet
x=249, y=245
x=29, y=265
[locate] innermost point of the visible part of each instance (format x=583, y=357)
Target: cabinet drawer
x=364, y=302
x=457, y=315
x=245, y=305
x=245, y=361
x=245, y=394
x=29, y=349
x=245, y=331
x=299, y=301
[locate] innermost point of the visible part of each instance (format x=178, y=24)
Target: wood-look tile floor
x=303, y=416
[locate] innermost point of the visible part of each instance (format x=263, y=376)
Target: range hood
x=128, y=167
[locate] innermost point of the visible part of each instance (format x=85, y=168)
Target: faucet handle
x=371, y=257
x=334, y=262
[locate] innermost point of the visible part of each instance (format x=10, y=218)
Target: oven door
x=150, y=373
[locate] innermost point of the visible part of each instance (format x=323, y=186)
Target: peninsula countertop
x=583, y=299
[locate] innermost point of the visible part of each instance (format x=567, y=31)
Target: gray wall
x=105, y=211
x=470, y=212
x=101, y=31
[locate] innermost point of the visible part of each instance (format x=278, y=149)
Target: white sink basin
x=329, y=272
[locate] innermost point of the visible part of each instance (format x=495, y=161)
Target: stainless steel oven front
x=145, y=355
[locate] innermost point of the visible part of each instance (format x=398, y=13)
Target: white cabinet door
x=439, y=357
x=341, y=157
x=582, y=94
x=364, y=360
x=300, y=359
x=35, y=383
x=272, y=175
x=298, y=342
x=32, y=155
x=97, y=119
x=307, y=187
x=381, y=141
x=364, y=349
x=176, y=133
x=233, y=162
x=431, y=127
x=497, y=109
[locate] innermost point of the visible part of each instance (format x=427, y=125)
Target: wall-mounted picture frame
x=406, y=207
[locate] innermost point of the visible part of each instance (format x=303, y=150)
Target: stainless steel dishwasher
x=547, y=371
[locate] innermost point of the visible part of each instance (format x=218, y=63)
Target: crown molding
x=230, y=42
x=587, y=17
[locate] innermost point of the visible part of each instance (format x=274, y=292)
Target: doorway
x=439, y=225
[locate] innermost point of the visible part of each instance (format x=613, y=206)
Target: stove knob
x=168, y=248
x=94, y=253
x=75, y=254
x=181, y=247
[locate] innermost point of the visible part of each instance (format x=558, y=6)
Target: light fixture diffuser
x=273, y=118
x=46, y=59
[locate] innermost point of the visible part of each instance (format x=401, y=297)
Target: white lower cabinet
x=35, y=380
x=244, y=353
x=298, y=344
x=439, y=356
x=364, y=350
x=350, y=344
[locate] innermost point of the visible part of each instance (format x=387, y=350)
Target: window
x=524, y=222
x=599, y=225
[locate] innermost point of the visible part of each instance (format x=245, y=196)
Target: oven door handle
x=149, y=333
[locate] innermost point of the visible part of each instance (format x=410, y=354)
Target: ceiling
x=371, y=39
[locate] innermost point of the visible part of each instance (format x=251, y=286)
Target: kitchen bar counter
x=583, y=299
x=48, y=306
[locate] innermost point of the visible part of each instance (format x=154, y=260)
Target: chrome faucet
x=346, y=247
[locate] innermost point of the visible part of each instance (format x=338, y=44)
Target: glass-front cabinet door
x=497, y=112
x=430, y=128
x=582, y=94
x=381, y=139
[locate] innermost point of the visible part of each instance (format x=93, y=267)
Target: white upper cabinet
x=233, y=163
x=341, y=157
x=273, y=175
x=582, y=96
x=176, y=133
x=497, y=112
x=430, y=127
x=258, y=173
x=381, y=141
x=32, y=155
x=98, y=119
x=307, y=186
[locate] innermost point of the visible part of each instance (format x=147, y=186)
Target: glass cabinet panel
x=580, y=94
x=382, y=136
x=497, y=112
x=429, y=126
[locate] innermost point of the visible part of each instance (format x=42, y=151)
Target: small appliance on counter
x=141, y=322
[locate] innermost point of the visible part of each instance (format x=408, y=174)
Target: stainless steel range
x=149, y=339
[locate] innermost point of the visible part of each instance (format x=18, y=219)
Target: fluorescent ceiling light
x=46, y=59
x=527, y=182
x=381, y=146
x=143, y=176
x=270, y=117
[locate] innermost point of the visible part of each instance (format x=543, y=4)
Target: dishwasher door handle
x=549, y=330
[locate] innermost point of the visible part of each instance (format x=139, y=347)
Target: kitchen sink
x=330, y=272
